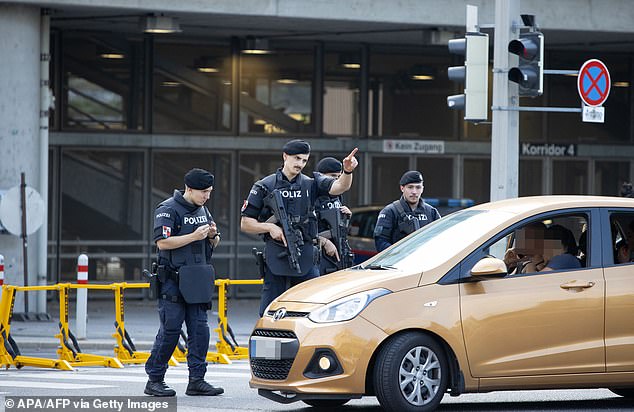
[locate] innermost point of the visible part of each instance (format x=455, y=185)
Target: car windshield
x=439, y=241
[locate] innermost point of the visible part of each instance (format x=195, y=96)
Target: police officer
x=404, y=216
x=333, y=221
x=298, y=193
x=185, y=234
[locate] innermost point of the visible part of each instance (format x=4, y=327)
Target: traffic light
x=474, y=74
x=529, y=74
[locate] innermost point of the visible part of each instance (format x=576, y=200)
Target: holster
x=196, y=283
x=259, y=261
x=155, y=286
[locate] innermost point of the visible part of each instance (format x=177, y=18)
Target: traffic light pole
x=505, y=124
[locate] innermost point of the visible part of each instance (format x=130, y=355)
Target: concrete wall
x=19, y=125
x=585, y=15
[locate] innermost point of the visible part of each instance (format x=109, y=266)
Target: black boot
x=158, y=388
x=198, y=387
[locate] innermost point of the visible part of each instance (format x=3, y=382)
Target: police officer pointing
x=186, y=235
x=291, y=257
x=406, y=215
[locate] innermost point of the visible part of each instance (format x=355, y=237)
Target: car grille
x=289, y=314
x=274, y=333
x=271, y=369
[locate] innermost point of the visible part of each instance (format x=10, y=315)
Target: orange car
x=470, y=303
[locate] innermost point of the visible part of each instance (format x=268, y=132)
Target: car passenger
x=622, y=252
x=560, y=251
x=528, y=248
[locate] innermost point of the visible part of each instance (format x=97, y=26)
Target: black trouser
x=171, y=315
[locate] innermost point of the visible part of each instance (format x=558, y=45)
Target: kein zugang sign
x=548, y=150
x=414, y=146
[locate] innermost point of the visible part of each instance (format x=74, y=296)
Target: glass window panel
x=530, y=177
x=277, y=91
x=438, y=175
x=192, y=87
x=101, y=195
x=341, y=93
x=409, y=93
x=386, y=173
x=609, y=176
x=99, y=74
x=570, y=177
x=477, y=180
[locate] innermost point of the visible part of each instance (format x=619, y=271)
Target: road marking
x=50, y=385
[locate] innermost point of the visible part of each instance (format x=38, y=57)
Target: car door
x=535, y=324
x=619, y=292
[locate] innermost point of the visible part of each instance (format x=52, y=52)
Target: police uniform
x=176, y=216
x=398, y=219
x=327, y=204
x=299, y=196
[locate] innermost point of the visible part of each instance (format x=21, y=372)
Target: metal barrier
x=125, y=351
x=223, y=345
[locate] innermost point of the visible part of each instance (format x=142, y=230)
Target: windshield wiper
x=378, y=267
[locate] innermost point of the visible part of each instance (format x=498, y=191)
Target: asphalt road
x=130, y=381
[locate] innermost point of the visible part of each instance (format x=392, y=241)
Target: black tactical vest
x=195, y=253
x=297, y=198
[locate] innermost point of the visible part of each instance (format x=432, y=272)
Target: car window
x=555, y=242
x=440, y=240
x=622, y=226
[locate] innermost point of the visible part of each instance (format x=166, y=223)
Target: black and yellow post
x=223, y=345
x=9, y=351
x=125, y=350
x=71, y=352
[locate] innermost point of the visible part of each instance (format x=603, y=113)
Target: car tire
x=624, y=392
x=416, y=358
x=325, y=403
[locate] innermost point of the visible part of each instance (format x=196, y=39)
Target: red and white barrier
x=82, y=297
x=1, y=270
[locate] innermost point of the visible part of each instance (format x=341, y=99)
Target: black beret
x=296, y=146
x=199, y=179
x=413, y=176
x=329, y=165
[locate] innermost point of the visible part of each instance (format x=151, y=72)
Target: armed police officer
x=186, y=235
x=281, y=207
x=333, y=221
x=406, y=215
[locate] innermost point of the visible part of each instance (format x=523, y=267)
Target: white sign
x=548, y=149
x=414, y=146
x=11, y=211
x=593, y=114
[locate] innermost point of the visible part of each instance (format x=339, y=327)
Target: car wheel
x=624, y=392
x=411, y=374
x=325, y=403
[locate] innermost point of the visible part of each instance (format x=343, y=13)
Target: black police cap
x=296, y=146
x=413, y=176
x=329, y=165
x=199, y=179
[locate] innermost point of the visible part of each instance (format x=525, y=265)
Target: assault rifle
x=338, y=235
x=294, y=238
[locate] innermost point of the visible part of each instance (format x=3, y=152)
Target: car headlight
x=347, y=307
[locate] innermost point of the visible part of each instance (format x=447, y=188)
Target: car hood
x=336, y=285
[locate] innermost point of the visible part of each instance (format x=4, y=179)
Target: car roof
x=522, y=205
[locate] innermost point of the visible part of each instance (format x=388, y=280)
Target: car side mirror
x=489, y=267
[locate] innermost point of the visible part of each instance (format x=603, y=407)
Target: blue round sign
x=593, y=82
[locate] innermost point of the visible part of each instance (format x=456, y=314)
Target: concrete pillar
x=19, y=128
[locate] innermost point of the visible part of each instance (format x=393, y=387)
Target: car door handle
x=575, y=285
